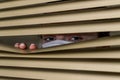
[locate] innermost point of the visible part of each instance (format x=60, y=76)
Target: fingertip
x=33, y=46
x=16, y=45
x=22, y=46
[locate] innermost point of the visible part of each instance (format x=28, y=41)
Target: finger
x=16, y=45
x=33, y=46
x=22, y=46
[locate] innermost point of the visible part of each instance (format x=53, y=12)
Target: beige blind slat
x=6, y=79
x=13, y=78
x=9, y=49
x=91, y=15
x=60, y=7
x=70, y=64
x=83, y=54
x=62, y=29
x=18, y=3
x=5, y=1
x=53, y=75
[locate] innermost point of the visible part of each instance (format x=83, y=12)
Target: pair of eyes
x=73, y=38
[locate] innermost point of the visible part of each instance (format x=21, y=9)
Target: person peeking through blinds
x=61, y=39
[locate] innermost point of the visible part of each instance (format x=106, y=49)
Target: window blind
x=72, y=61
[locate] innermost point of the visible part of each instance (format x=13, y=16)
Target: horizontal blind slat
x=91, y=15
x=59, y=7
x=110, y=53
x=9, y=49
x=55, y=75
x=13, y=78
x=19, y=3
x=100, y=53
x=5, y=1
x=62, y=28
x=70, y=64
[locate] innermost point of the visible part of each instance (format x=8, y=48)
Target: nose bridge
x=60, y=37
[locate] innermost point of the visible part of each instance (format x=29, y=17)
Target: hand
x=23, y=46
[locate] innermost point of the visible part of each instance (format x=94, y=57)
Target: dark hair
x=100, y=34
x=103, y=34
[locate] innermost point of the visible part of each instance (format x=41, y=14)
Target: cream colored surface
x=18, y=3
x=56, y=75
x=88, y=65
x=62, y=29
x=9, y=49
x=70, y=5
x=68, y=62
x=99, y=54
x=90, y=15
x=13, y=78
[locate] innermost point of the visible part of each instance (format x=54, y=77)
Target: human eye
x=76, y=38
x=50, y=38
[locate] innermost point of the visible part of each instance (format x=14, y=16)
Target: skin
x=70, y=37
x=66, y=37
